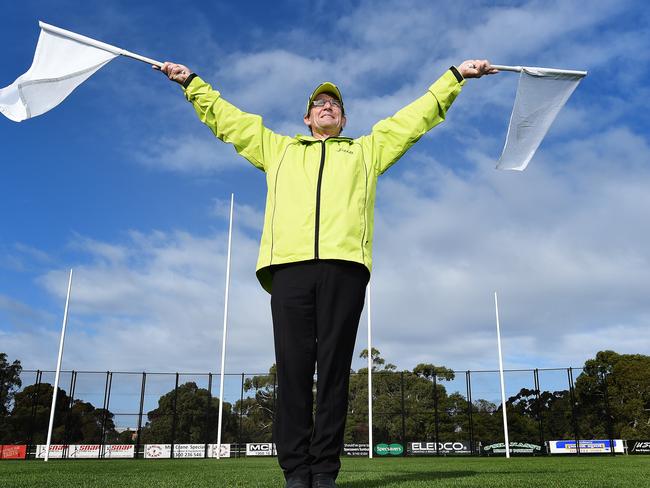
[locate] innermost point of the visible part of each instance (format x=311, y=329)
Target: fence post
x=107, y=401
x=608, y=415
x=435, y=409
x=275, y=397
x=468, y=383
x=30, y=431
x=66, y=424
x=539, y=406
x=403, y=416
x=174, y=418
x=241, y=414
x=573, y=410
x=138, y=439
x=207, y=416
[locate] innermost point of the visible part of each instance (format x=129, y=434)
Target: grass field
x=356, y=473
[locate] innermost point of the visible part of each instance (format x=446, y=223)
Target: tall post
x=225, y=328
x=58, y=370
x=139, y=437
x=370, y=439
x=503, y=388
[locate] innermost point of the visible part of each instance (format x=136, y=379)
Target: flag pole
x=501, y=67
x=58, y=370
x=225, y=328
x=369, y=378
x=519, y=69
x=98, y=44
x=503, y=390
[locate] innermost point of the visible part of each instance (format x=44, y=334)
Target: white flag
x=61, y=63
x=541, y=94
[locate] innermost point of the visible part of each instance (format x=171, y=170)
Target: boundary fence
x=424, y=413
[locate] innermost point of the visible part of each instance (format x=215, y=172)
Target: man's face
x=327, y=120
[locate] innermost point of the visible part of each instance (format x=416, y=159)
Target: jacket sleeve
x=392, y=137
x=245, y=131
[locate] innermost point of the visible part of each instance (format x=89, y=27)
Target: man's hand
x=475, y=68
x=175, y=72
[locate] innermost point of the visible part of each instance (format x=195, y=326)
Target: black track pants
x=316, y=306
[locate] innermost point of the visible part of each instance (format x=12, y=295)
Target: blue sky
x=122, y=183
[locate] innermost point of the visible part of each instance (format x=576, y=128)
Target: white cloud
x=246, y=215
x=160, y=307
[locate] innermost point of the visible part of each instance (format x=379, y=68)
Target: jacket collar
x=310, y=139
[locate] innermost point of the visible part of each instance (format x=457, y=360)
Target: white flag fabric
x=541, y=94
x=61, y=63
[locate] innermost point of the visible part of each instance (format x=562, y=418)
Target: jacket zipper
x=320, y=180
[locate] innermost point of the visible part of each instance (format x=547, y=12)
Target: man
x=316, y=247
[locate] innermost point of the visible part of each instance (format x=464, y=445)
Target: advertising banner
x=13, y=451
x=189, y=451
x=56, y=451
x=157, y=451
x=443, y=448
x=638, y=447
x=224, y=453
x=598, y=446
x=515, y=448
x=84, y=451
x=119, y=451
x=389, y=449
x=356, y=450
x=260, y=449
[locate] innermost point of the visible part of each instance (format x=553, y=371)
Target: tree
x=613, y=391
x=419, y=401
x=76, y=423
x=188, y=414
x=10, y=383
x=256, y=410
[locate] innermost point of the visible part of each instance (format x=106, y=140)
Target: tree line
x=610, y=398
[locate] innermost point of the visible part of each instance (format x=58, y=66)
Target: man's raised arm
x=245, y=131
x=392, y=137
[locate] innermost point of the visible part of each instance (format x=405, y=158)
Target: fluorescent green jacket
x=321, y=194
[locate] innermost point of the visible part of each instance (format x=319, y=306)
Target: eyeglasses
x=320, y=102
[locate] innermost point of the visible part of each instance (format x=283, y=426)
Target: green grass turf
x=628, y=471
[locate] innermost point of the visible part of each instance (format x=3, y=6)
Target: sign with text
x=440, y=448
x=119, y=451
x=56, y=451
x=389, y=449
x=638, y=447
x=356, y=450
x=13, y=451
x=260, y=449
x=597, y=446
x=515, y=448
x=189, y=451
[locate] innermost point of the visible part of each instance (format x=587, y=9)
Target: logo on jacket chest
x=342, y=149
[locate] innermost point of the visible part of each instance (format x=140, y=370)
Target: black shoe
x=322, y=480
x=297, y=483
